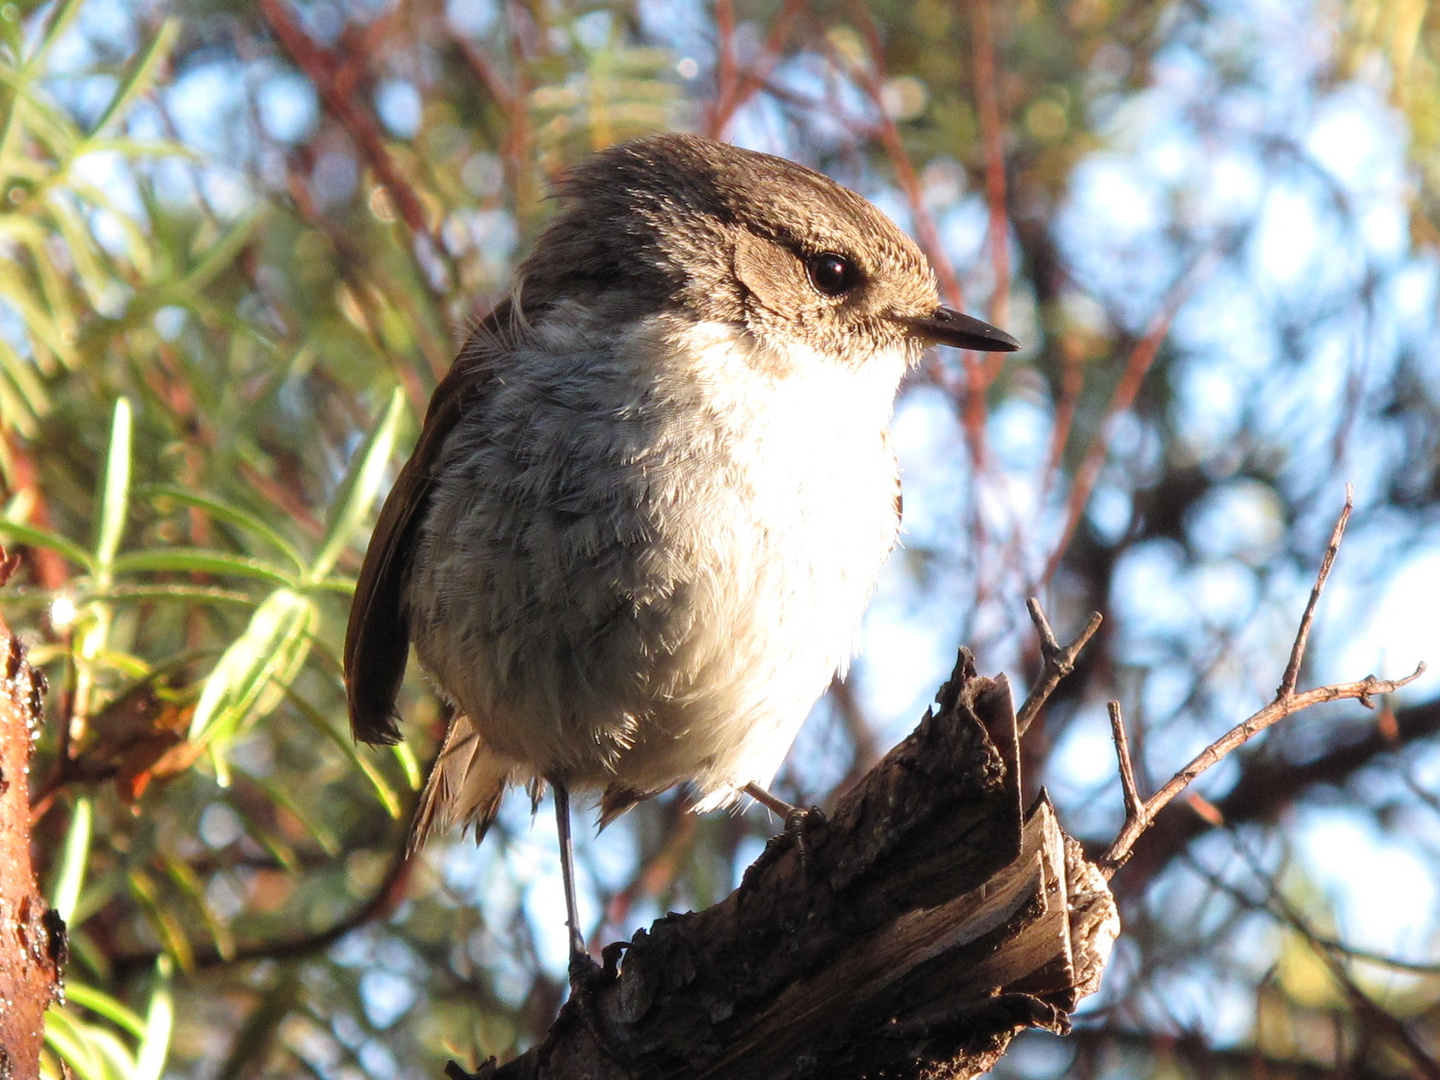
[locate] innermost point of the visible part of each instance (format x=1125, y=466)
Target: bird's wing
x=377, y=639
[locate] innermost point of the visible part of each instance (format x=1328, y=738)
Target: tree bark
x=912, y=934
x=32, y=936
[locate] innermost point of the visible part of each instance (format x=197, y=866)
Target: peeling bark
x=912, y=934
x=32, y=936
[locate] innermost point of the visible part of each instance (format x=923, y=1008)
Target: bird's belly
x=661, y=595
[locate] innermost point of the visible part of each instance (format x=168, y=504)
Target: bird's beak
x=945, y=326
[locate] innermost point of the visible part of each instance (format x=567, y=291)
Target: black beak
x=945, y=326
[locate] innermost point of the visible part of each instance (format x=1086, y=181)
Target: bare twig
x=1302, y=637
x=755, y=77
x=987, y=99
x=1237, y=736
x=1057, y=661
x=1286, y=701
x=320, y=67
x=1134, y=805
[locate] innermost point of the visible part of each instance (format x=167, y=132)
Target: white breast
x=644, y=565
x=790, y=533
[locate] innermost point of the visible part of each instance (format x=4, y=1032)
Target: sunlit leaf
x=254, y=671
x=221, y=511
x=97, y=1001
x=70, y=876
x=43, y=538
x=159, y=1020
x=194, y=560
x=114, y=492
x=353, y=501
x=141, y=75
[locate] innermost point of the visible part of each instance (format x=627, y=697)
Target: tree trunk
x=912, y=934
x=32, y=937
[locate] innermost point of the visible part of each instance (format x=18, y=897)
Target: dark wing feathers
x=377, y=638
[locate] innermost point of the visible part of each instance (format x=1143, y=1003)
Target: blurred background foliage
x=240, y=242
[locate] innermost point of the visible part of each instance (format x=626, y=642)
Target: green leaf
x=204, y=595
x=408, y=762
x=383, y=790
x=159, y=1021
x=353, y=501
x=114, y=492
x=92, y=1052
x=63, y=15
x=44, y=538
x=87, y=997
x=241, y=519
x=71, y=875
x=197, y=560
x=218, y=256
x=142, y=74
x=254, y=671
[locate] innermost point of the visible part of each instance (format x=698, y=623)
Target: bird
x=650, y=500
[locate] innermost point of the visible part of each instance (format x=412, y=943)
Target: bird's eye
x=833, y=275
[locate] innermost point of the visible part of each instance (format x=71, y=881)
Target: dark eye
x=833, y=275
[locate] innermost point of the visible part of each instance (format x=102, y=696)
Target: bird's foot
x=584, y=970
x=798, y=825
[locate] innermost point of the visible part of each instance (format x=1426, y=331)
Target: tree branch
x=1286, y=701
x=928, y=921
x=1055, y=661
x=32, y=935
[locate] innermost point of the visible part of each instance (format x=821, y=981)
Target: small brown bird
x=651, y=498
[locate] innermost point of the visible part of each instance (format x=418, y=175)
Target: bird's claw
x=797, y=824
x=584, y=971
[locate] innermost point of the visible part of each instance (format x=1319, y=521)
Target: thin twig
x=1237, y=736
x=380, y=903
x=1277, y=906
x=1056, y=661
x=1286, y=701
x=725, y=67
x=987, y=100
x=1136, y=367
x=755, y=77
x=1134, y=805
x=319, y=66
x=1297, y=651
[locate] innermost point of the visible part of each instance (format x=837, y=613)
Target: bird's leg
x=795, y=818
x=580, y=962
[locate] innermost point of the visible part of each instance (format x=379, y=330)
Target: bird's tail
x=465, y=786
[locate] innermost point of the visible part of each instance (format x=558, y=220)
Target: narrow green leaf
x=44, y=538
x=73, y=857
x=164, y=921
x=241, y=519
x=141, y=75
x=159, y=1021
x=347, y=746
x=63, y=15
x=345, y=586
x=185, y=594
x=197, y=560
x=257, y=667
x=87, y=997
x=185, y=878
x=22, y=372
x=78, y=1046
x=323, y=834
x=409, y=763
x=218, y=256
x=352, y=504
x=114, y=491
